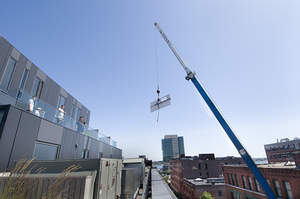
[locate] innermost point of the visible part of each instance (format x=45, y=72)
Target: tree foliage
x=206, y=195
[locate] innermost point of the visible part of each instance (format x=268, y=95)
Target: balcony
x=46, y=111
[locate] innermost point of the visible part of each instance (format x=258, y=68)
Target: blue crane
x=242, y=151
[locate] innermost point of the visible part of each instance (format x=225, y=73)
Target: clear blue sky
x=246, y=53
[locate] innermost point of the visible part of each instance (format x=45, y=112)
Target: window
x=205, y=165
x=100, y=155
x=61, y=101
x=45, y=151
x=277, y=188
x=74, y=112
x=257, y=185
x=37, y=87
x=85, y=154
x=288, y=189
x=3, y=115
x=244, y=182
x=24, y=78
x=232, y=179
x=236, y=180
x=235, y=195
x=8, y=73
x=199, y=166
x=219, y=193
x=229, y=180
x=207, y=174
x=250, y=183
x=250, y=197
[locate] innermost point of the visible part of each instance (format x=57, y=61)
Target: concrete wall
x=22, y=130
x=51, y=90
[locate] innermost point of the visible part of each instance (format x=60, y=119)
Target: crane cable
x=157, y=75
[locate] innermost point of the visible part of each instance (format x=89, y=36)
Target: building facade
x=282, y=150
x=283, y=178
x=172, y=147
x=21, y=80
x=39, y=119
x=194, y=188
x=202, y=166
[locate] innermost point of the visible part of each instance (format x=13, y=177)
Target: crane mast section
x=187, y=70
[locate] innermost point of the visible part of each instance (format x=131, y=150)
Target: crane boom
x=242, y=151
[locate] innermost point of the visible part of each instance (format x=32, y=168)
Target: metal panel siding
x=5, y=49
x=50, y=132
x=106, y=150
x=69, y=140
x=6, y=99
x=8, y=134
x=94, y=149
x=50, y=92
x=31, y=76
x=17, y=75
x=26, y=135
x=116, y=153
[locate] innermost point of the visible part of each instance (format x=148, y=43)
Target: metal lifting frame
x=242, y=151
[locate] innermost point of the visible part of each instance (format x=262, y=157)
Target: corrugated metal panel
x=130, y=182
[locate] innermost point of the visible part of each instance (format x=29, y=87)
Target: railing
x=94, y=133
x=44, y=110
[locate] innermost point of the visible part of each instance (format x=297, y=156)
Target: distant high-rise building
x=172, y=147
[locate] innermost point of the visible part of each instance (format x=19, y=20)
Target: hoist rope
x=157, y=73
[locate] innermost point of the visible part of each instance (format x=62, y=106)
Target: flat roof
x=133, y=160
x=160, y=189
x=204, y=182
x=280, y=165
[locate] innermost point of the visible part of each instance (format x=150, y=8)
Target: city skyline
x=244, y=53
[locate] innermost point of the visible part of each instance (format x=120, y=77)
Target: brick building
x=282, y=150
x=284, y=179
x=194, y=188
x=202, y=166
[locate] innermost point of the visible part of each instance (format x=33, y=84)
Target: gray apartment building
x=33, y=122
x=172, y=147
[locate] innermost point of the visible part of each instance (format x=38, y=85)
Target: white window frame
x=251, y=187
x=277, y=188
x=288, y=189
x=257, y=185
